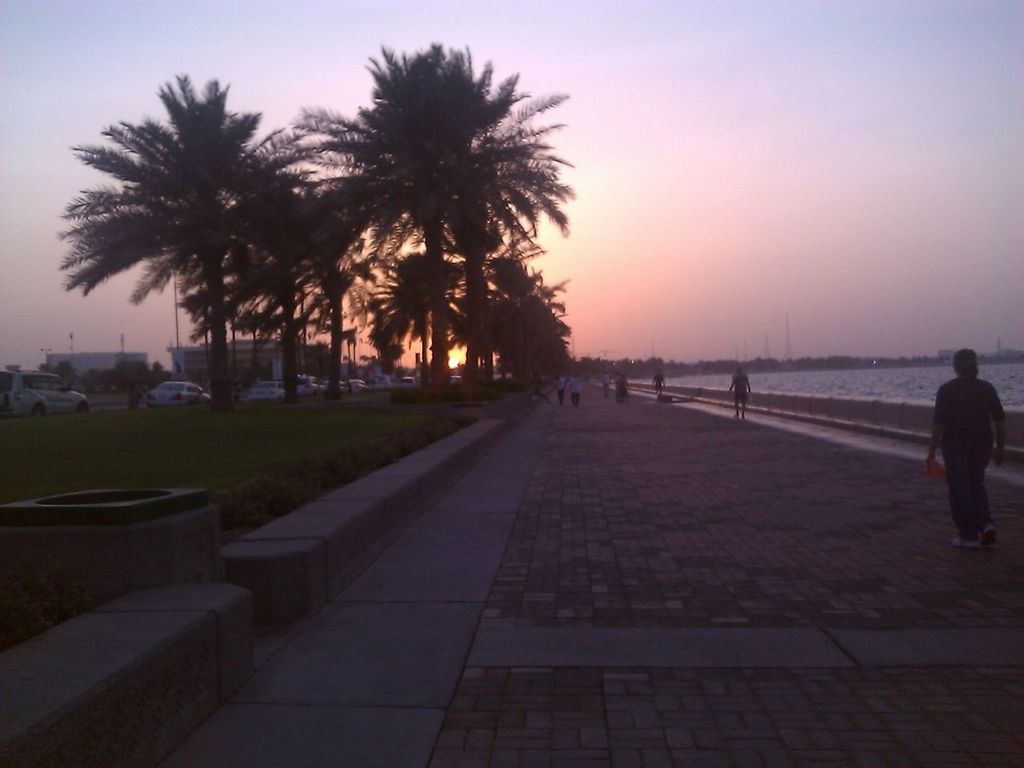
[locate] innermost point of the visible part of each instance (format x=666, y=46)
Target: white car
x=307, y=385
x=265, y=390
x=34, y=393
x=355, y=386
x=174, y=393
x=407, y=382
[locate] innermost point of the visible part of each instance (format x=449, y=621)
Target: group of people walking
x=575, y=387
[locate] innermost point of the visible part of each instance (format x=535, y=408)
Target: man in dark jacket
x=965, y=409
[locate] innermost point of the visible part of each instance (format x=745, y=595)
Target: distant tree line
x=641, y=368
x=417, y=217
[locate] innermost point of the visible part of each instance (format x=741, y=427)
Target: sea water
x=908, y=385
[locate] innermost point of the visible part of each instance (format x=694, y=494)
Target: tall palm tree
x=339, y=259
x=511, y=183
x=277, y=279
x=401, y=306
x=526, y=324
x=403, y=155
x=174, y=208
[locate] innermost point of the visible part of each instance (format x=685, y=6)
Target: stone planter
x=113, y=542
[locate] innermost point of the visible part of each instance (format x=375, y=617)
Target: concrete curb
x=294, y=564
x=124, y=684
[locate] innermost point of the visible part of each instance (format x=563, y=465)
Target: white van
x=34, y=393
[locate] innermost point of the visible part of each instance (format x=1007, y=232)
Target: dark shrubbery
x=453, y=393
x=256, y=501
x=32, y=603
x=508, y=385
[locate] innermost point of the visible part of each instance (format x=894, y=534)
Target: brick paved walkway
x=660, y=517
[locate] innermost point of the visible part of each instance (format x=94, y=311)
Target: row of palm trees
x=425, y=207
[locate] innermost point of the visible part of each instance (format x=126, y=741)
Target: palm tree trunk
x=289, y=344
x=334, y=369
x=424, y=367
x=476, y=311
x=220, y=375
x=438, y=304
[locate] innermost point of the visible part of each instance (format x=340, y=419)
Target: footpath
x=641, y=585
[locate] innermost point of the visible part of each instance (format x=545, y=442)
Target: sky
x=857, y=167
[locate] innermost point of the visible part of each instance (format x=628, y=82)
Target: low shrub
x=32, y=603
x=508, y=385
x=452, y=393
x=256, y=501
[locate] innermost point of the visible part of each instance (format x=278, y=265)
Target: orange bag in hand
x=933, y=469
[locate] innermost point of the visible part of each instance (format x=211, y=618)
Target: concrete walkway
x=653, y=585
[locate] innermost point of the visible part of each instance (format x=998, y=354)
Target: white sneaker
x=966, y=543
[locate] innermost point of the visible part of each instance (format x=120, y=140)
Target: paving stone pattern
x=801, y=718
x=651, y=516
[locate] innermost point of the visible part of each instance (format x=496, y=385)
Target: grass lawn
x=176, y=448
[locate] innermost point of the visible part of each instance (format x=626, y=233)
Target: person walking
x=965, y=409
x=560, y=389
x=740, y=388
x=606, y=381
x=659, y=383
x=575, y=389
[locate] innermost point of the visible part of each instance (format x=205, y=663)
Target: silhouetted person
x=606, y=381
x=659, y=382
x=560, y=388
x=740, y=388
x=621, y=390
x=575, y=389
x=964, y=411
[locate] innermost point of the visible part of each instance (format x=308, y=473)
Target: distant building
x=83, y=362
x=246, y=360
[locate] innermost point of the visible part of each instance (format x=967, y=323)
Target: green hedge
x=258, y=500
x=453, y=393
x=32, y=603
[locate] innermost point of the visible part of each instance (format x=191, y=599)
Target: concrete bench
x=124, y=684
x=294, y=564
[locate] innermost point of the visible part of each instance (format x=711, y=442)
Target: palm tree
x=277, y=276
x=174, y=208
x=511, y=183
x=526, y=324
x=339, y=259
x=404, y=157
x=401, y=307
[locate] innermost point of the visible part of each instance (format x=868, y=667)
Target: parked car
x=265, y=390
x=307, y=385
x=407, y=382
x=173, y=393
x=355, y=386
x=35, y=393
x=381, y=383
